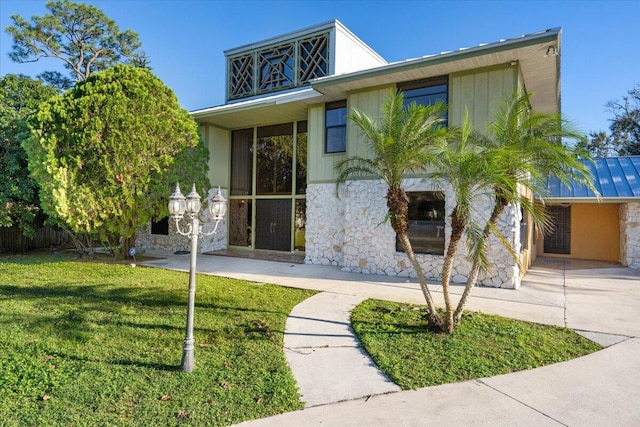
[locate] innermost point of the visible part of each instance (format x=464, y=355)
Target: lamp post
x=179, y=207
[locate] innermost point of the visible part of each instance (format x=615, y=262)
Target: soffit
x=540, y=71
x=278, y=108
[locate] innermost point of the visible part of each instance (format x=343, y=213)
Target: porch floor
x=260, y=254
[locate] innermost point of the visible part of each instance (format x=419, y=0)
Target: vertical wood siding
x=320, y=165
x=480, y=92
x=218, y=141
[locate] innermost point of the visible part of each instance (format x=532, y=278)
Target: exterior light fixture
x=551, y=51
x=189, y=207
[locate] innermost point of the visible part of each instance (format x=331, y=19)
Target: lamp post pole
x=188, y=362
x=178, y=207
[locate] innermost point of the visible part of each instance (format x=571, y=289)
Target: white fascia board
x=280, y=98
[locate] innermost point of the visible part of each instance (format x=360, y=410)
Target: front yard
x=90, y=343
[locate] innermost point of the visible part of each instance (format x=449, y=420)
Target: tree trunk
x=498, y=208
x=434, y=320
x=457, y=228
x=127, y=244
x=398, y=204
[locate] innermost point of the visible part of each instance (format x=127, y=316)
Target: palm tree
x=525, y=147
x=400, y=144
x=471, y=169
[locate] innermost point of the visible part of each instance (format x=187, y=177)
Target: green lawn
x=89, y=343
x=483, y=346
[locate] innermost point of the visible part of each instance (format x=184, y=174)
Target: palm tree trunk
x=498, y=208
x=457, y=228
x=398, y=204
x=434, y=320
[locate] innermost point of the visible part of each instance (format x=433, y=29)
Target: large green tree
x=19, y=98
x=400, y=143
x=78, y=34
x=104, y=153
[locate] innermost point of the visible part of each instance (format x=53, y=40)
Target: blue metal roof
x=615, y=178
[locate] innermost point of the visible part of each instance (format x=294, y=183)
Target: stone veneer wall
x=324, y=228
x=350, y=232
x=176, y=242
x=630, y=234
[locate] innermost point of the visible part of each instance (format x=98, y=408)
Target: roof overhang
x=277, y=108
x=583, y=200
x=538, y=56
x=540, y=71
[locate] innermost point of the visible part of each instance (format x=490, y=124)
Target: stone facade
x=351, y=232
x=630, y=234
x=176, y=242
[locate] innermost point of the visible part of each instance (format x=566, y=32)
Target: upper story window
x=335, y=123
x=278, y=67
x=426, y=92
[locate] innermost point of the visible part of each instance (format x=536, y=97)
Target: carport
x=592, y=228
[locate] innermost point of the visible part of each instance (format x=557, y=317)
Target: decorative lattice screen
x=279, y=67
x=314, y=58
x=241, y=77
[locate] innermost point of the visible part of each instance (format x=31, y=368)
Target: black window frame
x=428, y=220
x=340, y=124
x=160, y=226
x=431, y=87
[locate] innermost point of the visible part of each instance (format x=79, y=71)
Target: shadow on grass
x=121, y=362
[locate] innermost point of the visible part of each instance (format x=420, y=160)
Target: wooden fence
x=12, y=240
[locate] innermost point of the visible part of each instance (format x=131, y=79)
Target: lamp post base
x=188, y=361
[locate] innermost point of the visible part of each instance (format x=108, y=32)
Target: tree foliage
x=623, y=138
x=19, y=98
x=78, y=34
x=108, y=151
x=625, y=126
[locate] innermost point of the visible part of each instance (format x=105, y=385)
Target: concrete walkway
x=599, y=389
x=325, y=356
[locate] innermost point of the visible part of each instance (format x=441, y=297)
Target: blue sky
x=185, y=39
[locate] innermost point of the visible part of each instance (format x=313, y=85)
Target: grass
x=89, y=343
x=482, y=346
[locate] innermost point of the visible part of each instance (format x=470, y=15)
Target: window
x=160, y=226
x=426, y=222
x=335, y=123
x=426, y=92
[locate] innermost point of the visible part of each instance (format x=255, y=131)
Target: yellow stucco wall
x=595, y=232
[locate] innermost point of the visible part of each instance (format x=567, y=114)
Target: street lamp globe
x=193, y=201
x=177, y=204
x=218, y=206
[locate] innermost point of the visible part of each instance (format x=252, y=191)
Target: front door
x=558, y=241
x=273, y=224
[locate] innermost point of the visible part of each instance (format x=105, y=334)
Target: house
x=275, y=141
